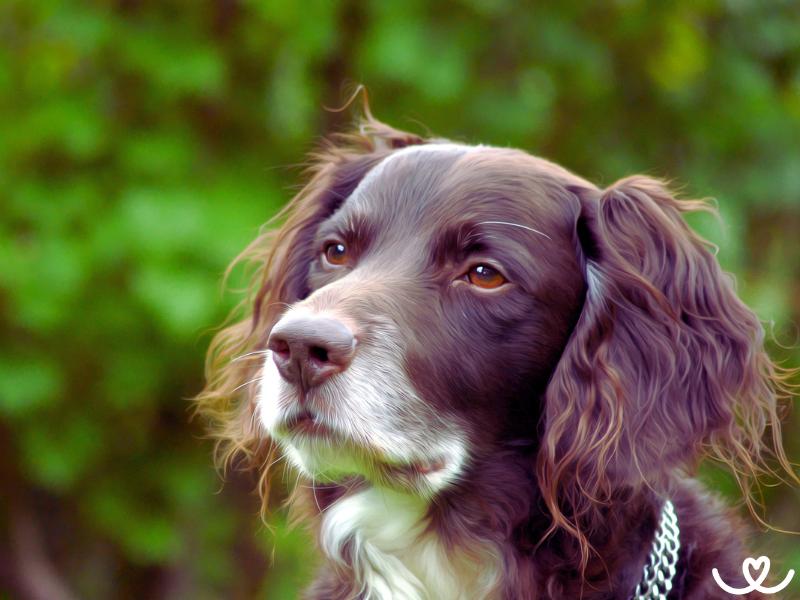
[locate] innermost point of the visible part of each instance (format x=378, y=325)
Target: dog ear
x=280, y=258
x=665, y=364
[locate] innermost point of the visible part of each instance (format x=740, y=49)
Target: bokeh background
x=142, y=143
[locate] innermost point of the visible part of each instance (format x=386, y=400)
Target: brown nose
x=308, y=350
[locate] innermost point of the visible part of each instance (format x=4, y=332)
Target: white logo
x=752, y=565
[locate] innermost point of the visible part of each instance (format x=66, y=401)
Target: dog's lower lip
x=307, y=423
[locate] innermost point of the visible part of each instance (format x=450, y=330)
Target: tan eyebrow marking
x=515, y=225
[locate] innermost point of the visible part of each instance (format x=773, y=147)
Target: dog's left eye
x=486, y=277
x=336, y=254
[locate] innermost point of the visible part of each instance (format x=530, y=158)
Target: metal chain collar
x=659, y=570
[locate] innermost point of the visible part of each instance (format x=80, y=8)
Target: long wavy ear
x=280, y=256
x=665, y=365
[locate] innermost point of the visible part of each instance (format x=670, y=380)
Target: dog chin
x=323, y=461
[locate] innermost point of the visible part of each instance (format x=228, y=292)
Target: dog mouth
x=305, y=427
x=307, y=424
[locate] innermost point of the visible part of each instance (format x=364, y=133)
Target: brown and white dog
x=493, y=375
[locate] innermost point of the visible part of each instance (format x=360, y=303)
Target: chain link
x=659, y=570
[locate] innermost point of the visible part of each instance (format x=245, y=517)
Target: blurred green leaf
x=58, y=452
x=182, y=302
x=145, y=536
x=27, y=385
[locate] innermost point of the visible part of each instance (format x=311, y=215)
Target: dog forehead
x=411, y=170
x=424, y=189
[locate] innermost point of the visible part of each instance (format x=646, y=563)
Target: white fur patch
x=440, y=148
x=393, y=556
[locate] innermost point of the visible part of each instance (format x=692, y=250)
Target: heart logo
x=758, y=564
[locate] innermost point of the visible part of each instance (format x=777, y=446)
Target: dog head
x=431, y=303
x=425, y=303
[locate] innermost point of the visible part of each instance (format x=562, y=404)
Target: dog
x=495, y=378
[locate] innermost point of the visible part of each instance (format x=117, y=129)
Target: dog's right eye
x=335, y=254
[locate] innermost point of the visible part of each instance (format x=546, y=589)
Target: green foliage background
x=142, y=143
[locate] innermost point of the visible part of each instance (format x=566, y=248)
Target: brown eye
x=336, y=254
x=485, y=277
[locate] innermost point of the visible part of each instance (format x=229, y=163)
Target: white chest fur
x=394, y=557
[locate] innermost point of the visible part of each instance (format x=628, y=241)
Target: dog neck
x=483, y=538
x=389, y=542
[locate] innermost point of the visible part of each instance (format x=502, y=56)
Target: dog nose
x=308, y=350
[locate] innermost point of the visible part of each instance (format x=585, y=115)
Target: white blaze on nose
x=269, y=394
x=273, y=387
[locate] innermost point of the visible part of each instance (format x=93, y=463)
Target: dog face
x=440, y=294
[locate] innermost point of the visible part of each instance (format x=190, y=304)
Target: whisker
x=348, y=485
x=285, y=474
x=278, y=457
x=254, y=352
x=314, y=493
x=297, y=479
x=515, y=225
x=254, y=421
x=238, y=387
